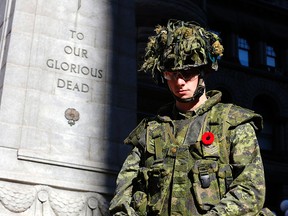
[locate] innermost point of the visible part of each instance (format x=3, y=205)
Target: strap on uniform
x=158, y=148
x=222, y=115
x=228, y=181
x=225, y=124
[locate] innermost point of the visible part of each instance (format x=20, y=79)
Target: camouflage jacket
x=171, y=172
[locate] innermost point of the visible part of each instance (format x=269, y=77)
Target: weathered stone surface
x=59, y=56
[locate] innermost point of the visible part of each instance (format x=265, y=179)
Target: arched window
x=266, y=106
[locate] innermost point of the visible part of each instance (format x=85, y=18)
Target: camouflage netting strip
x=179, y=46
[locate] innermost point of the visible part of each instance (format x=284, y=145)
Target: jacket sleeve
x=120, y=204
x=246, y=193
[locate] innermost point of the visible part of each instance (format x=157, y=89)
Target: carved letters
x=72, y=68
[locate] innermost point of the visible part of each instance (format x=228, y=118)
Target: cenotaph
x=67, y=101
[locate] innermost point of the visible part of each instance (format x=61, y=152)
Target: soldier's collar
x=214, y=97
x=178, y=115
x=170, y=112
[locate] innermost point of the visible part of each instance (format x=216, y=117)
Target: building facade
x=66, y=73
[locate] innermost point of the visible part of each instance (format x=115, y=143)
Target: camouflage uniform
x=170, y=172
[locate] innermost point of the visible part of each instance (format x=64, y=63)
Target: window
x=243, y=51
x=270, y=56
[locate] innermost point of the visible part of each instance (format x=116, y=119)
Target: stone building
x=65, y=94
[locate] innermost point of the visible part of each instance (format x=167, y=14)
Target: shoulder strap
x=240, y=115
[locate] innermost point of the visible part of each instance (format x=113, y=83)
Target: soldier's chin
x=184, y=96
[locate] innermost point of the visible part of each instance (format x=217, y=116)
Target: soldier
x=197, y=156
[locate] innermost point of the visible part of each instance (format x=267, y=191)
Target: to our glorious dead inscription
x=74, y=68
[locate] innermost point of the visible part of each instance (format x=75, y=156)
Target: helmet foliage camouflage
x=180, y=46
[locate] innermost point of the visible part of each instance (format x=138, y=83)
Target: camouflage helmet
x=180, y=46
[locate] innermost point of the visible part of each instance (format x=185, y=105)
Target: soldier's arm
x=247, y=192
x=120, y=204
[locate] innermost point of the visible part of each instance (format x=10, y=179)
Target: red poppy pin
x=207, y=138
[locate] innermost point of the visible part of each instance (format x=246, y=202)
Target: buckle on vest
x=204, y=176
x=205, y=180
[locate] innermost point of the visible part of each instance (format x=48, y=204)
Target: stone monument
x=67, y=101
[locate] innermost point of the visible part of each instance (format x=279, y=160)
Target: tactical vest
x=166, y=162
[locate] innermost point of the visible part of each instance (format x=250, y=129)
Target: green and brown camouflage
x=179, y=46
x=170, y=171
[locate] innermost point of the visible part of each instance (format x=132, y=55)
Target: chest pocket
x=210, y=182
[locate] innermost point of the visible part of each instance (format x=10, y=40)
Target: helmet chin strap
x=197, y=94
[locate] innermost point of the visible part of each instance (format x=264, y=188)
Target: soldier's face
x=182, y=83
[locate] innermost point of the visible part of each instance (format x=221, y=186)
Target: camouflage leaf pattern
x=170, y=172
x=179, y=46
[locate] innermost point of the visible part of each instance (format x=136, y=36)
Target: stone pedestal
x=67, y=100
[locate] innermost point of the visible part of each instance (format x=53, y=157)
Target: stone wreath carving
x=47, y=201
